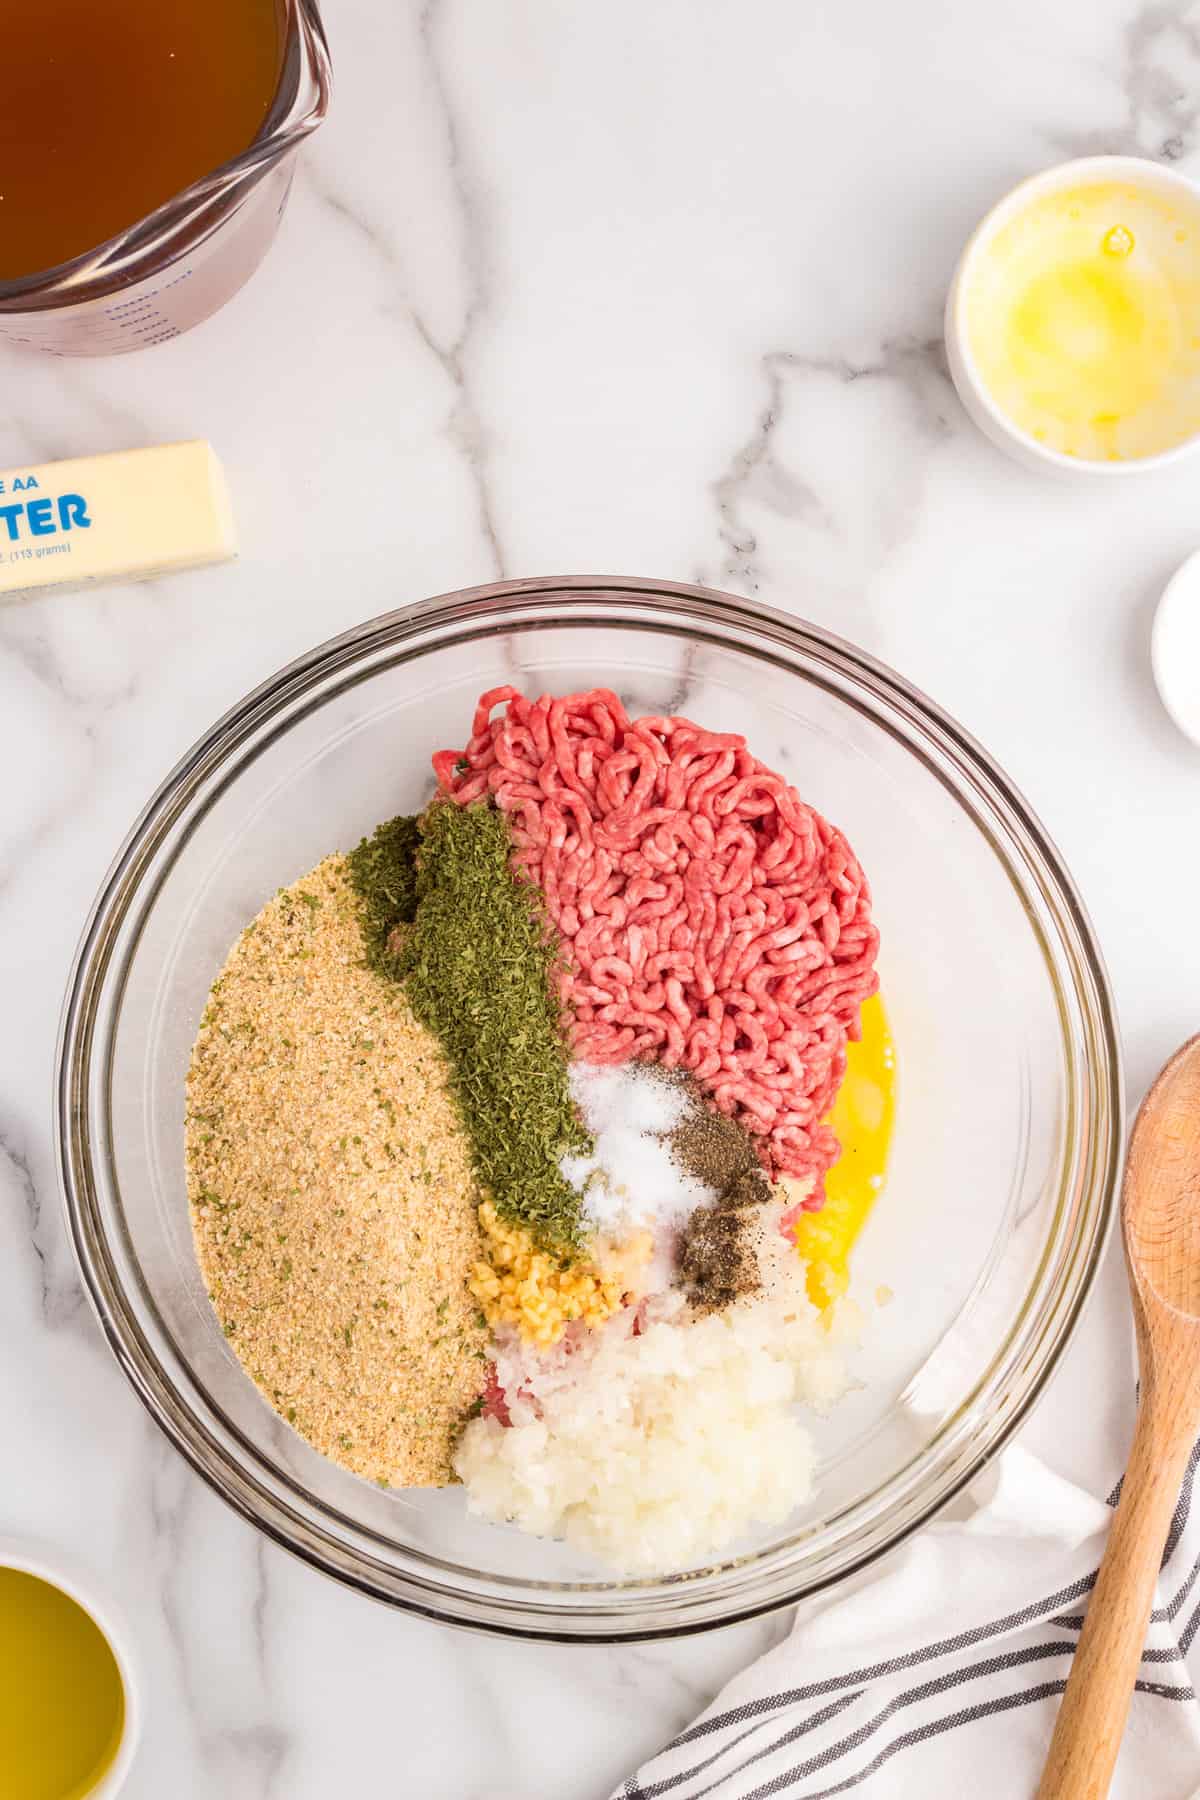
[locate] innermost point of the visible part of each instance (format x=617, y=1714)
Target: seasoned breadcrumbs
x=332, y=1200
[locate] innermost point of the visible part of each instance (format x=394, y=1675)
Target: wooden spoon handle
x=1091, y=1720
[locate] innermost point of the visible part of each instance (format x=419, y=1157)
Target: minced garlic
x=541, y=1294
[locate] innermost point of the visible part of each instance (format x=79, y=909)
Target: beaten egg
x=863, y=1115
x=1083, y=318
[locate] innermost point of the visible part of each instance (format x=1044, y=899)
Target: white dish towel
x=939, y=1676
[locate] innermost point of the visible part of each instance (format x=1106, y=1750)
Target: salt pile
x=632, y=1179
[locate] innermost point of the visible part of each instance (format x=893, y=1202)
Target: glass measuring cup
x=177, y=266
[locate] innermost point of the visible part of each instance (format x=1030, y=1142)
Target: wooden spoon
x=1160, y=1217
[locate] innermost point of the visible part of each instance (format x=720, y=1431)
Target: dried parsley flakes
x=477, y=963
x=383, y=873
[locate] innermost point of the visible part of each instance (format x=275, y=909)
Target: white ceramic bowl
x=974, y=394
x=1175, y=647
x=60, y=1570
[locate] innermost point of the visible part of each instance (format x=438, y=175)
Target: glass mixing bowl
x=1009, y=1131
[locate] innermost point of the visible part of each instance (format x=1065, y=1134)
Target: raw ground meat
x=710, y=919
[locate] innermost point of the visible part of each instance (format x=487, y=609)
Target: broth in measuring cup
x=111, y=107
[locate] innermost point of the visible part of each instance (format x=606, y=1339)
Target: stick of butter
x=103, y=518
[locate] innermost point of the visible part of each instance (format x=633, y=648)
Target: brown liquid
x=110, y=107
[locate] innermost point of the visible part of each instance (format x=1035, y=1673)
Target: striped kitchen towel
x=940, y=1674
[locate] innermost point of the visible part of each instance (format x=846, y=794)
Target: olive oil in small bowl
x=67, y=1716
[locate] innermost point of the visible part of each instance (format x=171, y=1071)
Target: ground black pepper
x=715, y=1260
x=713, y=1148
x=715, y=1256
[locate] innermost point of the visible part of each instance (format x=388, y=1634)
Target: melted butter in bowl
x=1076, y=314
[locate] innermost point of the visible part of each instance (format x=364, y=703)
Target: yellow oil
x=863, y=1116
x=1083, y=316
x=62, y=1701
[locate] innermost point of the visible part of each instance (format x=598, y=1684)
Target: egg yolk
x=862, y=1117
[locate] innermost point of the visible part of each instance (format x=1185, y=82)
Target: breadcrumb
x=332, y=1200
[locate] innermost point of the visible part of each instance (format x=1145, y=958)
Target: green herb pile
x=477, y=962
x=383, y=871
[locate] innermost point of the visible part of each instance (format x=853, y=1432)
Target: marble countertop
x=627, y=289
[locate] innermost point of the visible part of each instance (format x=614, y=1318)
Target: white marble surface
x=632, y=289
